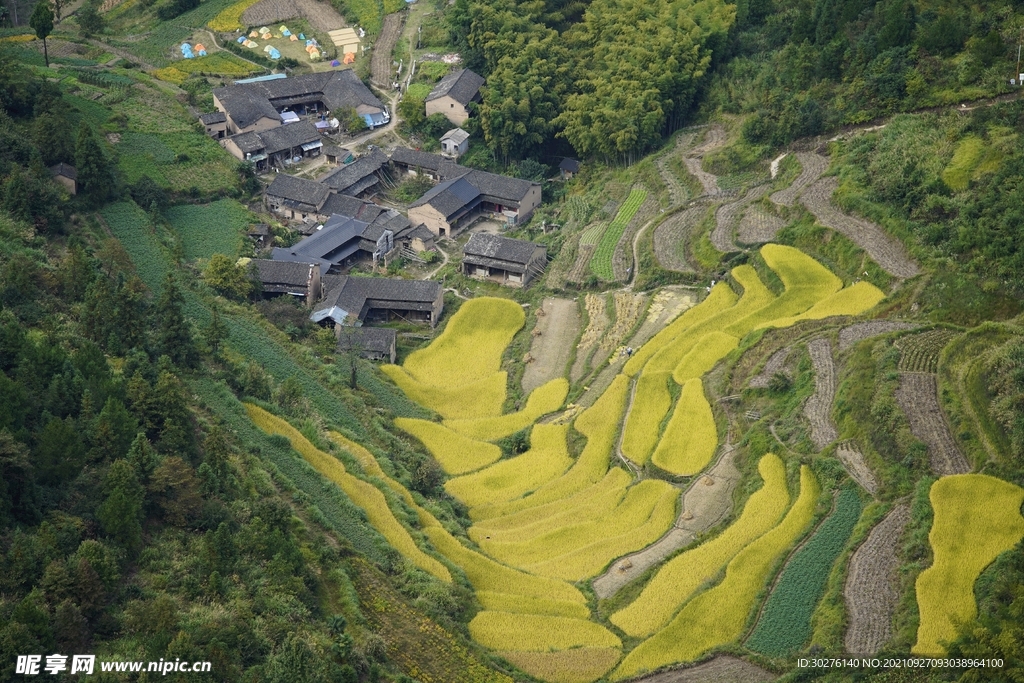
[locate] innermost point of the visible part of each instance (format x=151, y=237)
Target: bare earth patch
x=856, y=466
x=918, y=397
x=676, y=192
x=871, y=591
x=774, y=365
x=758, y=226
x=320, y=15
x=848, y=336
x=714, y=139
x=726, y=218
x=381, y=65
x=812, y=165
x=722, y=669
x=818, y=408
x=558, y=329
x=670, y=238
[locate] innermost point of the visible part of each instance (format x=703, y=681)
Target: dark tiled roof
x=347, y=179
x=462, y=86
x=497, y=248
x=449, y=197
x=298, y=190
x=446, y=168
x=65, y=170
x=335, y=151
x=260, y=229
x=248, y=143
x=356, y=295
x=500, y=187
x=244, y=105
x=570, y=165
x=335, y=242
x=286, y=254
x=286, y=137
x=283, y=276
x=212, y=118
x=372, y=339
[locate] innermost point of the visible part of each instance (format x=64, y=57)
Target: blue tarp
x=241, y=39
x=202, y=53
x=275, y=54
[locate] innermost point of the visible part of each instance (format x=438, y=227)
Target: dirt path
x=672, y=234
x=559, y=328
x=871, y=589
x=706, y=502
x=381, y=64
x=125, y=55
x=888, y=252
x=858, y=332
x=721, y=669
x=918, y=397
x=726, y=218
x=856, y=466
x=774, y=365
x=818, y=408
x=444, y=262
x=812, y=165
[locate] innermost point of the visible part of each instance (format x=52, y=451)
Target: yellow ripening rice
x=543, y=400
x=650, y=405
x=712, y=348
x=526, y=604
x=363, y=494
x=718, y=616
x=579, y=665
x=481, y=399
x=720, y=298
x=537, y=633
x=634, y=510
x=485, y=574
x=681, y=576
x=691, y=437
x=508, y=479
x=853, y=300
x=806, y=281
x=977, y=517
x=455, y=453
x=471, y=346
x=600, y=424
x=591, y=559
x=590, y=503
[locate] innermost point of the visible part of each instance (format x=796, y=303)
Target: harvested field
x=677, y=194
x=553, y=340
x=382, y=64
x=723, y=669
x=581, y=268
x=818, y=408
x=597, y=323
x=775, y=364
x=758, y=226
x=884, y=249
x=918, y=397
x=812, y=166
x=848, y=336
x=871, y=591
x=622, y=257
x=706, y=502
x=727, y=215
x=856, y=466
x=628, y=307
x=670, y=238
x=920, y=352
x=714, y=139
x=321, y=16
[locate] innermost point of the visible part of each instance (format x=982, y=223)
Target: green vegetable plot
x=601, y=262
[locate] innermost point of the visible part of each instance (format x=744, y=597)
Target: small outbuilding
x=569, y=168
x=289, y=277
x=66, y=175
x=374, y=343
x=455, y=143
x=502, y=259
x=215, y=123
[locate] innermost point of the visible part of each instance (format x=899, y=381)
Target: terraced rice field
x=918, y=397
x=671, y=235
x=818, y=408
x=601, y=261
x=728, y=215
x=812, y=166
x=855, y=465
x=858, y=332
x=757, y=226
x=920, y=352
x=775, y=364
x=545, y=399
x=691, y=437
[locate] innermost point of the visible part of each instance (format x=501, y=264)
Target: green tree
x=215, y=333
x=41, y=22
x=95, y=173
x=120, y=513
x=227, y=277
x=90, y=20
x=174, y=335
x=115, y=430
x=59, y=453
x=175, y=488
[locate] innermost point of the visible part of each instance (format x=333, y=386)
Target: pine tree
x=120, y=513
x=95, y=175
x=41, y=22
x=174, y=336
x=215, y=333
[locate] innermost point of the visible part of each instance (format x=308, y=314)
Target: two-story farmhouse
x=453, y=94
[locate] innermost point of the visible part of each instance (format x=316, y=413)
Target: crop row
x=717, y=616
x=920, y=352
x=365, y=495
x=508, y=479
x=481, y=399
x=591, y=235
x=579, y=665
x=675, y=582
x=545, y=399
x=209, y=229
x=977, y=517
x=785, y=622
x=691, y=437
x=455, y=453
x=538, y=633
x=601, y=261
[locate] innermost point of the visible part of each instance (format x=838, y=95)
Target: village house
x=260, y=234
x=302, y=280
x=568, y=168
x=275, y=147
x=345, y=240
x=257, y=106
x=453, y=205
x=455, y=143
x=297, y=198
x=361, y=178
x=354, y=300
x=215, y=123
x=434, y=166
x=502, y=259
x=373, y=343
x=66, y=175
x=453, y=94
x=337, y=155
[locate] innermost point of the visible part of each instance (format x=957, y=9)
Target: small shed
x=301, y=280
x=337, y=155
x=455, y=143
x=66, y=175
x=569, y=168
x=215, y=123
x=502, y=259
x=260, y=234
x=374, y=343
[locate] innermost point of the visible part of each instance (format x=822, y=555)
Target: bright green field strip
x=601, y=261
x=957, y=175
x=635, y=509
x=508, y=479
x=481, y=399
x=785, y=623
x=591, y=235
x=718, y=616
x=471, y=346
x=543, y=400
x=977, y=517
x=215, y=228
x=651, y=403
x=600, y=424
x=132, y=227
x=456, y=454
x=691, y=437
x=681, y=576
x=536, y=633
x=853, y=300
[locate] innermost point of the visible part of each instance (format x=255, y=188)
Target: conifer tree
x=120, y=514
x=174, y=336
x=95, y=175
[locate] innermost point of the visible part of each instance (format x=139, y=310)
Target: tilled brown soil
x=722, y=669
x=848, y=336
x=382, y=65
x=856, y=466
x=550, y=350
x=670, y=238
x=918, y=397
x=714, y=139
x=812, y=166
x=320, y=15
x=818, y=408
x=758, y=226
x=727, y=215
x=871, y=589
x=775, y=364
x=677, y=194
